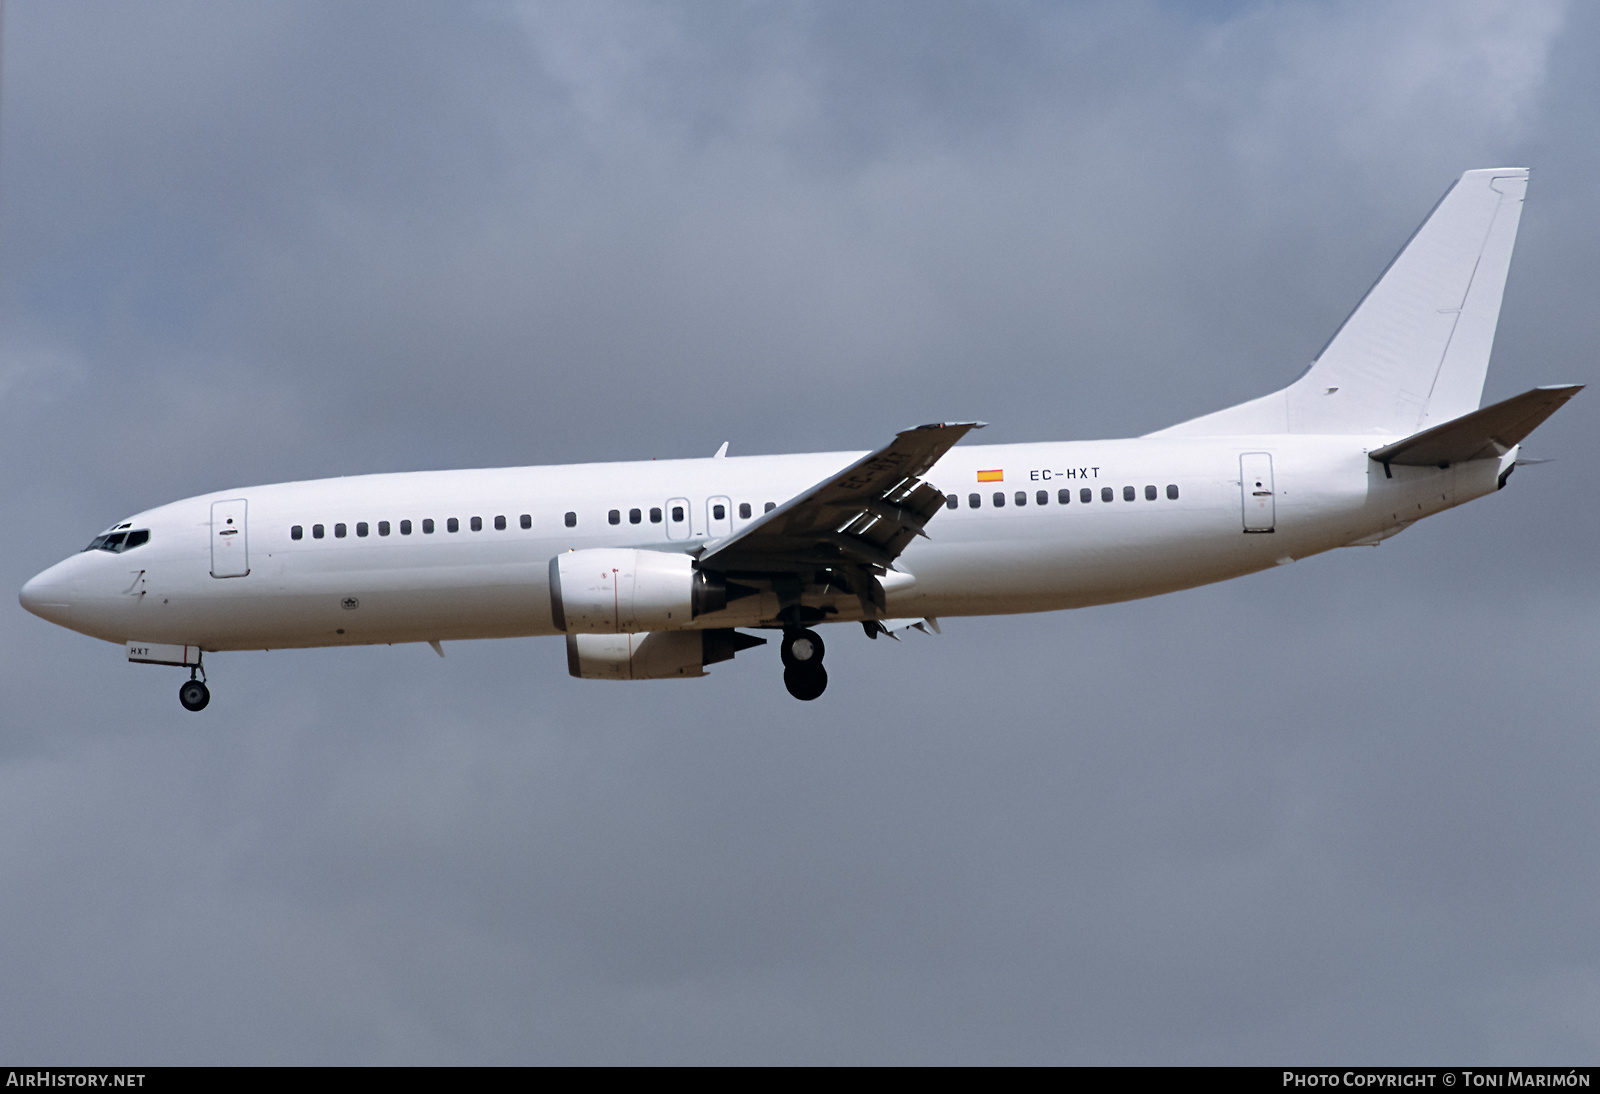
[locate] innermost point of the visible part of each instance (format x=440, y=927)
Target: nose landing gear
x=803, y=674
x=194, y=695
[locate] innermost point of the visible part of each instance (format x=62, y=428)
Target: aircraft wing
x=864, y=516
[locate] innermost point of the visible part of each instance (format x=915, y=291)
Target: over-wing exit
x=657, y=570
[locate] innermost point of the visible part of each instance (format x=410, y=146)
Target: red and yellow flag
x=991, y=476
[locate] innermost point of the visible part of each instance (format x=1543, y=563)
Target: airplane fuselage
x=348, y=561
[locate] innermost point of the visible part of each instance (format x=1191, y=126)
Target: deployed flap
x=875, y=627
x=864, y=515
x=1482, y=435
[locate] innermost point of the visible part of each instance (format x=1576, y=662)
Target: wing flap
x=865, y=515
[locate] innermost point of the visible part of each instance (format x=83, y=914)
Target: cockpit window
x=117, y=542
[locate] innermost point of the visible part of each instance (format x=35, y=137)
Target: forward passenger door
x=230, y=549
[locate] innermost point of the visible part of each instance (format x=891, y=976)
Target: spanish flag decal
x=991, y=476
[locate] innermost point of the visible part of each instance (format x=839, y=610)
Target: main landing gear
x=803, y=674
x=194, y=695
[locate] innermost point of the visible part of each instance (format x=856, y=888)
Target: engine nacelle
x=659, y=655
x=621, y=591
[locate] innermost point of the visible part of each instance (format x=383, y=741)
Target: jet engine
x=658, y=655
x=621, y=591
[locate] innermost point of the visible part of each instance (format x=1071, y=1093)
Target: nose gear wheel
x=194, y=695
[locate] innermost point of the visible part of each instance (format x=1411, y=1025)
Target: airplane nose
x=46, y=599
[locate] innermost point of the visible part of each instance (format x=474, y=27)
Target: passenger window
x=771, y=505
x=1172, y=491
x=405, y=528
x=139, y=538
x=316, y=531
x=571, y=520
x=499, y=524
x=719, y=512
x=999, y=499
x=655, y=515
x=1086, y=495
x=1106, y=493
x=634, y=516
x=1021, y=498
x=974, y=501
x=1042, y=497
x=677, y=513
x=452, y=525
x=383, y=527
x=427, y=526
x=477, y=524
x=338, y=531
x=614, y=517
x=744, y=510
x=1064, y=497
x=1129, y=493
x=1149, y=493
x=527, y=520
x=296, y=532
x=951, y=501
x=361, y=528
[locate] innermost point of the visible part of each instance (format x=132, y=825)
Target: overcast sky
x=1340, y=812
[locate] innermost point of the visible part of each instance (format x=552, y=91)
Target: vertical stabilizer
x=1415, y=350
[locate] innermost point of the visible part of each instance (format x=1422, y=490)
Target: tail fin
x=1415, y=350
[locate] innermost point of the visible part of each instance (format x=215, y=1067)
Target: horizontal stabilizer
x=1482, y=435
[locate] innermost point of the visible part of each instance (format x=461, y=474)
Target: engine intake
x=620, y=591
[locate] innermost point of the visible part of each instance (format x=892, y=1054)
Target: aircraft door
x=719, y=518
x=230, y=550
x=1256, y=492
x=678, y=518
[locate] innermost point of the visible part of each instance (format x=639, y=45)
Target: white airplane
x=648, y=569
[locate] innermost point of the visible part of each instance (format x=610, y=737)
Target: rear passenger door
x=1256, y=492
